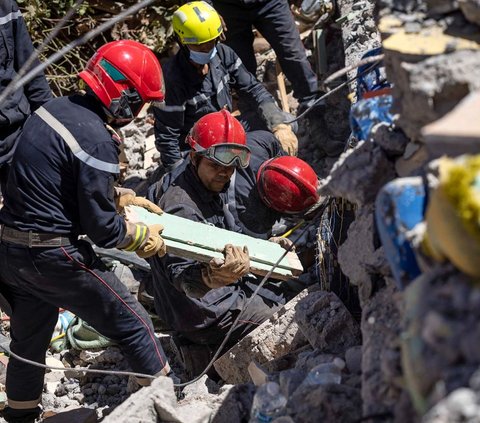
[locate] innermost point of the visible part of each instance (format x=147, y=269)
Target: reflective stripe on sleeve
x=166, y=108
x=140, y=235
x=72, y=143
x=10, y=17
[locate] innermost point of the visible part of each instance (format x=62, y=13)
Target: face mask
x=203, y=58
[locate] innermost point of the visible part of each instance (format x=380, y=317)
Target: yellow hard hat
x=196, y=23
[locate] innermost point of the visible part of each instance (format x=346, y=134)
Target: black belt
x=33, y=239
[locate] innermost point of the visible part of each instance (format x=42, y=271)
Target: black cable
x=333, y=90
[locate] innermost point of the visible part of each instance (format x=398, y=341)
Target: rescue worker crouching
x=200, y=77
x=60, y=186
x=200, y=301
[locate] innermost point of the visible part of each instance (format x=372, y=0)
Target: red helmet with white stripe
x=124, y=75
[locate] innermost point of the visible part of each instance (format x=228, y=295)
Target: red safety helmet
x=125, y=75
x=221, y=138
x=287, y=184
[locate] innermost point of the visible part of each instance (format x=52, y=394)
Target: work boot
x=13, y=415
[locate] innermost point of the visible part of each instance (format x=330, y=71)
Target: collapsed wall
x=419, y=354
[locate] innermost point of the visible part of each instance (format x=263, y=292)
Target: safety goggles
x=226, y=154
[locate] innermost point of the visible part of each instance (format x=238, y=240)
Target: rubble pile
x=413, y=355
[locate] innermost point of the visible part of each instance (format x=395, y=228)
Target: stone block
x=272, y=339
x=326, y=322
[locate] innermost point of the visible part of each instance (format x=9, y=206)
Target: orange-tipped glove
x=144, y=240
x=127, y=197
x=224, y=272
x=288, y=140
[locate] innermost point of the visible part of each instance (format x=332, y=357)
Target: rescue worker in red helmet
x=200, y=301
x=60, y=186
x=271, y=186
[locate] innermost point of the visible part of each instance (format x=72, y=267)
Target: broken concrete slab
x=150, y=404
x=359, y=174
x=359, y=247
x=326, y=322
x=272, y=339
x=424, y=90
x=456, y=133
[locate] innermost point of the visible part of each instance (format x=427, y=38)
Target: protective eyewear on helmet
x=227, y=154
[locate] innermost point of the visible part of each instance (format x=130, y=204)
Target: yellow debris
x=453, y=215
x=429, y=41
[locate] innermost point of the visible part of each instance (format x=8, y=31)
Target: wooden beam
x=203, y=242
x=281, y=87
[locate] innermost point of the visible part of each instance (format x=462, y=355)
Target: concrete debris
x=326, y=322
x=471, y=10
x=462, y=405
x=381, y=368
x=359, y=174
x=272, y=339
x=458, y=132
x=358, y=250
x=427, y=90
x=390, y=139
x=440, y=320
x=414, y=354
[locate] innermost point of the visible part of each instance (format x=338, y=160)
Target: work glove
x=288, y=140
x=144, y=240
x=127, y=197
x=154, y=243
x=285, y=243
x=222, y=272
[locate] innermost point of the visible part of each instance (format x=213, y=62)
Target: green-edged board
x=203, y=242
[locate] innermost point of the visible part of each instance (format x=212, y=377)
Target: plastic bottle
x=325, y=373
x=268, y=403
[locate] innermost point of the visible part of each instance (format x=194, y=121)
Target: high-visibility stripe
x=166, y=108
x=193, y=101
x=237, y=63
x=140, y=235
x=23, y=405
x=10, y=17
x=72, y=143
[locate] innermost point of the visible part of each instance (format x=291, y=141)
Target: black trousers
x=275, y=22
x=37, y=281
